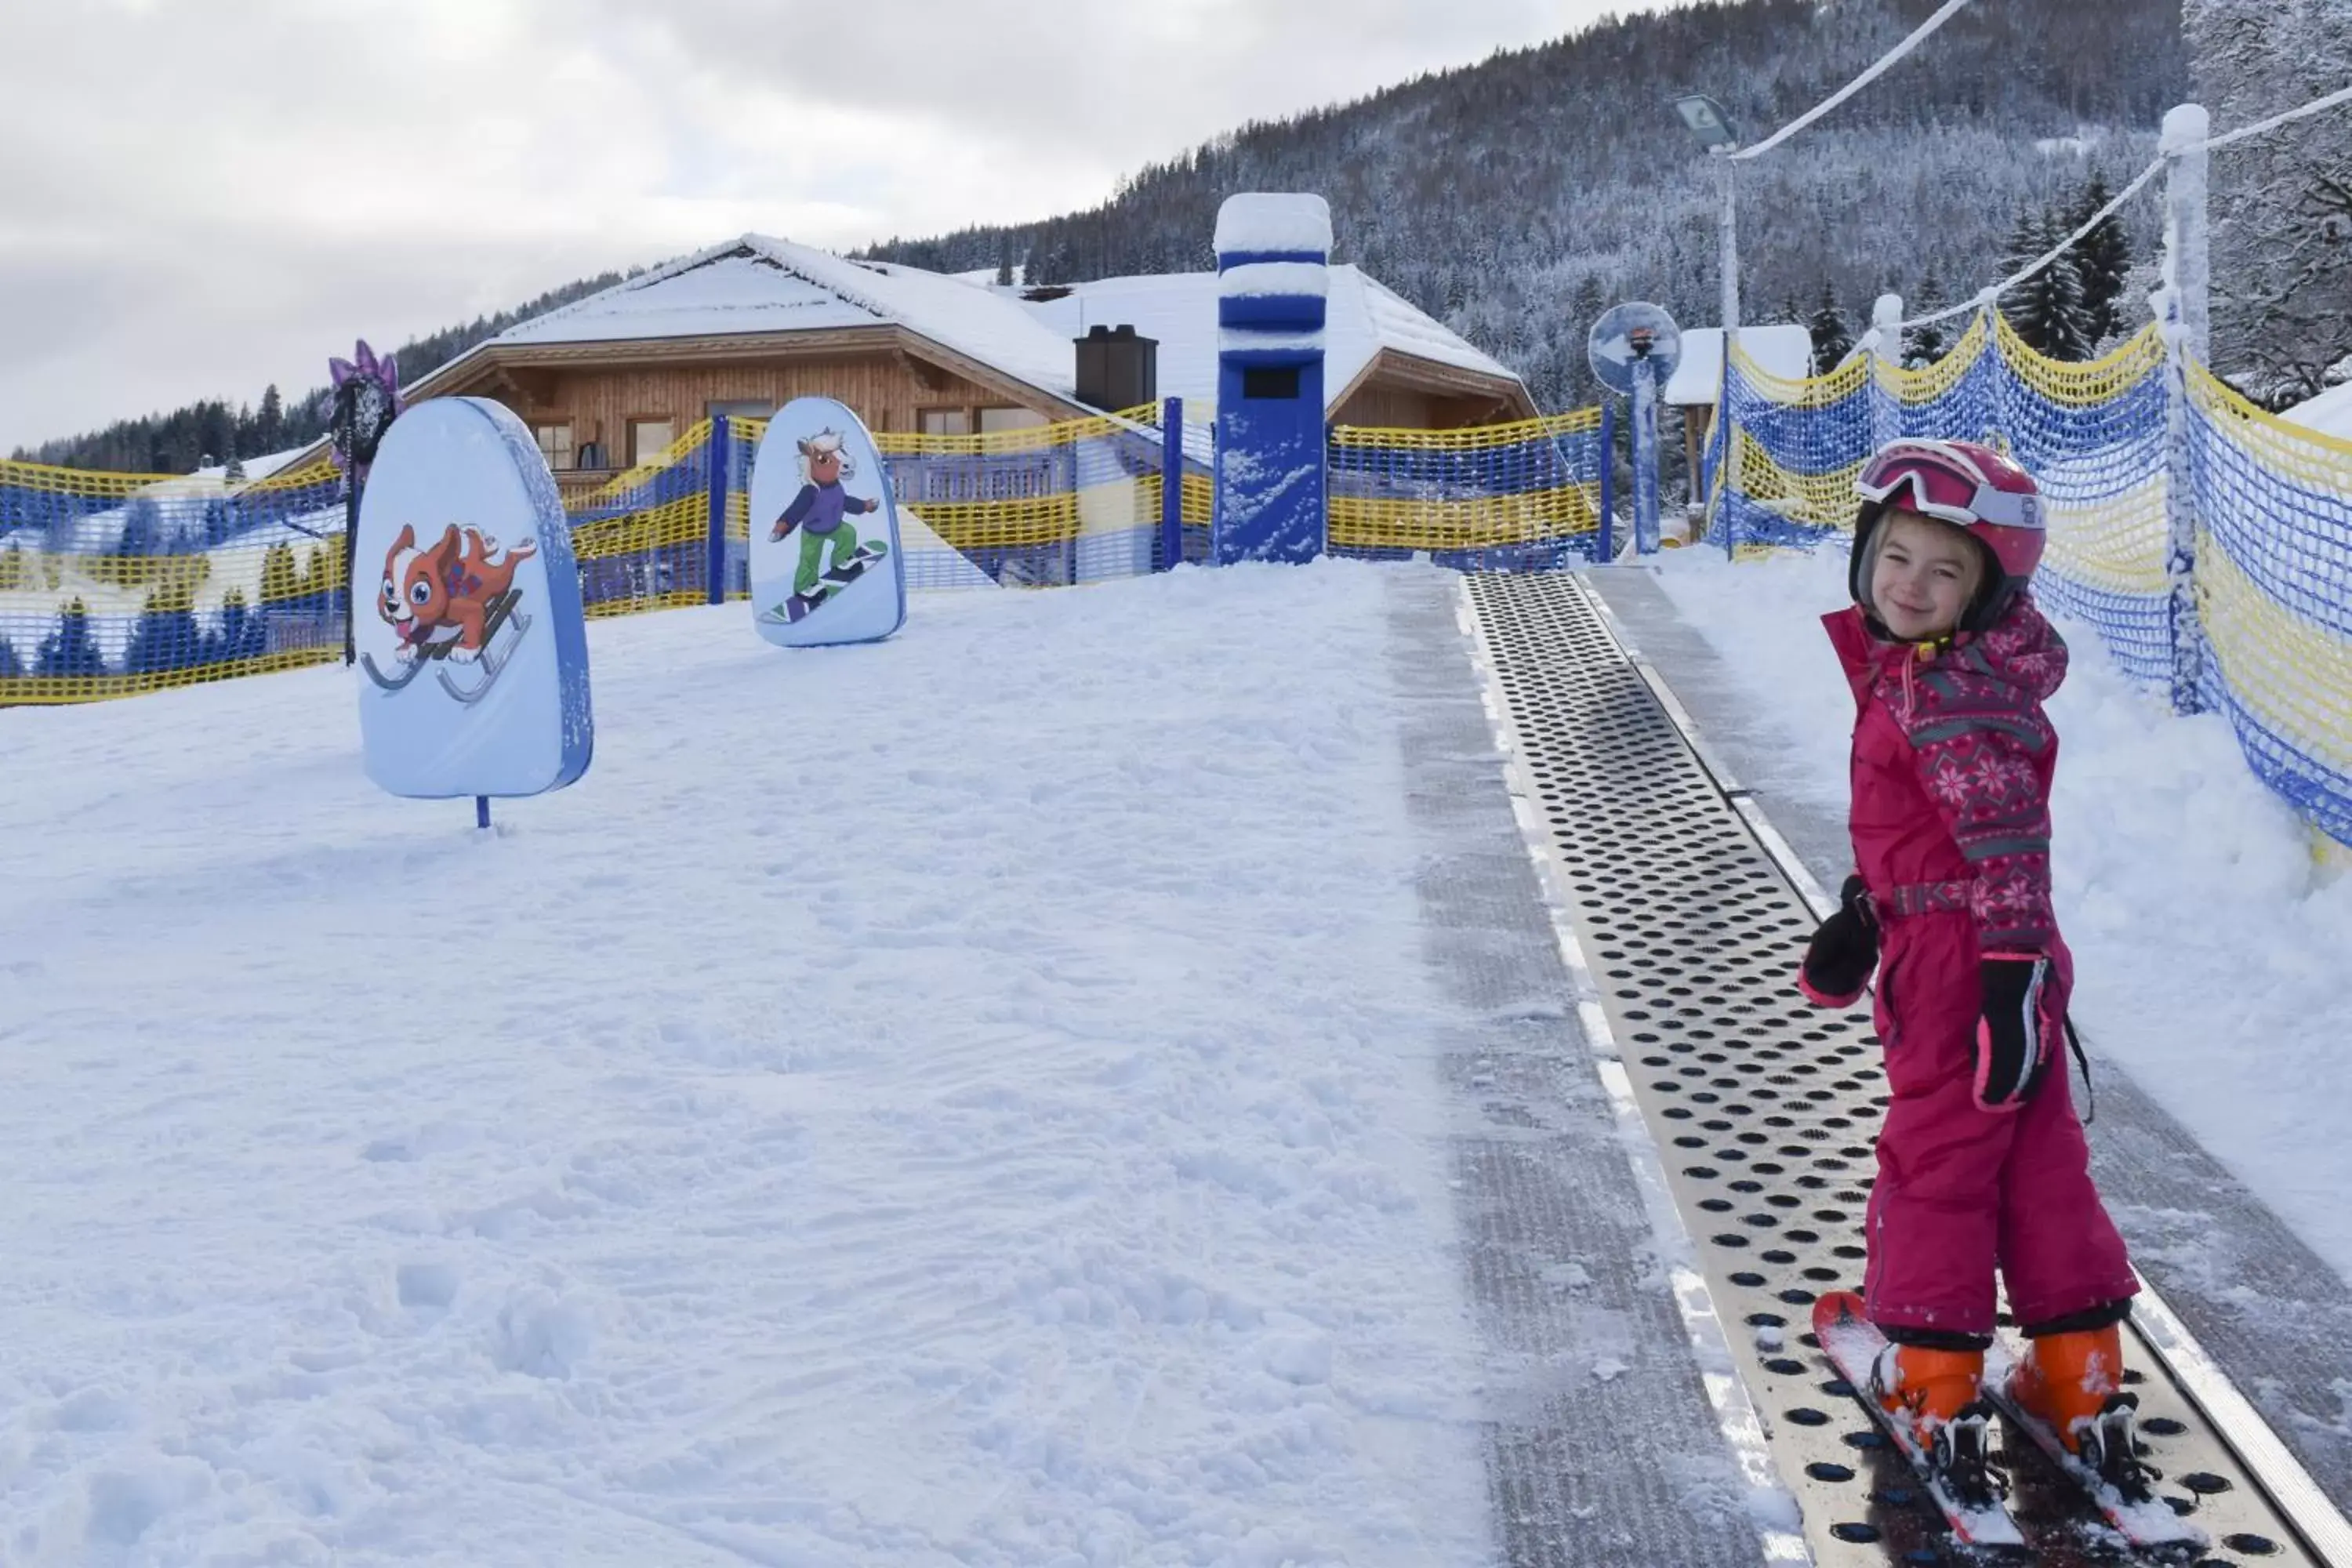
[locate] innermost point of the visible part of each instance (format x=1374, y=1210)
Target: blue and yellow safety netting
x=112, y=585
x=1077, y=501
x=1518, y=496
x=2273, y=576
x=643, y=538
x=2273, y=502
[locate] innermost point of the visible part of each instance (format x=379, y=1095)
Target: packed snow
x=1271, y=222
x=2330, y=413
x=971, y=1099
x=2209, y=939
x=1275, y=280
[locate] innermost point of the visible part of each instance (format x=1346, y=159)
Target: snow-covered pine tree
x=1924, y=345
x=240, y=634
x=2281, y=204
x=1585, y=307
x=2047, y=308
x=281, y=579
x=1831, y=339
x=68, y=651
x=2102, y=260
x=167, y=637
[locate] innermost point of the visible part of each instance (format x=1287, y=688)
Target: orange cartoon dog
x=439, y=600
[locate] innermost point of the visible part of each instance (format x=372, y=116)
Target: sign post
x=367, y=400
x=1633, y=349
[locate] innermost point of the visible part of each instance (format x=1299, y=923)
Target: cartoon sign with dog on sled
x=472, y=651
x=826, y=563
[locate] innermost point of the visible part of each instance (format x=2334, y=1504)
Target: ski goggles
x=1945, y=485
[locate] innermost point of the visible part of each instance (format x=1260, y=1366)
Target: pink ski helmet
x=1977, y=490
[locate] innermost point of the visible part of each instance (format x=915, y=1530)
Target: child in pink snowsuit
x=1982, y=1163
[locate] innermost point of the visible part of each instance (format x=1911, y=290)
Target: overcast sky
x=204, y=196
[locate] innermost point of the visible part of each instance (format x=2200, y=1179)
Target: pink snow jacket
x=1952, y=762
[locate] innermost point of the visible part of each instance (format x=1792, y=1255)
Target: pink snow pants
x=1962, y=1192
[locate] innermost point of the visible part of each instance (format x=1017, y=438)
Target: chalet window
x=555, y=445
x=995, y=420
x=741, y=408
x=943, y=421
x=648, y=437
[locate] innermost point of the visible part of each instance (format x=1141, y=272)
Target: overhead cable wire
x=1950, y=8
x=2212, y=144
x=2215, y=143
x=1985, y=297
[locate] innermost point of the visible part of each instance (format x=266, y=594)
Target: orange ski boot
x=1935, y=1396
x=2072, y=1382
x=1925, y=1387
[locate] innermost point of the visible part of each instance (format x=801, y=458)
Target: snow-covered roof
x=758, y=284
x=259, y=468
x=732, y=290
x=1179, y=310
x=2330, y=413
x=1785, y=351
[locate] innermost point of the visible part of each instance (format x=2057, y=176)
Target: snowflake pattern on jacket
x=1985, y=753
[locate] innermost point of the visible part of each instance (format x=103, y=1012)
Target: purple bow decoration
x=367, y=400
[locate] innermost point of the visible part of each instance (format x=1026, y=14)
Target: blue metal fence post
x=715, y=450
x=1608, y=481
x=1171, y=483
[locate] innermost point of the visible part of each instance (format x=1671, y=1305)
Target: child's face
x=1924, y=576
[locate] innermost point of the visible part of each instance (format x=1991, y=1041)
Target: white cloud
x=205, y=197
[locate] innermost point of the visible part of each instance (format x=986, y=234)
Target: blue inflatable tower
x=1272, y=279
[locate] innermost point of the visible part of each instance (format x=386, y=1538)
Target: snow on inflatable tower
x=1272, y=281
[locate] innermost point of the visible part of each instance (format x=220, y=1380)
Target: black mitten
x=2017, y=1032
x=1843, y=952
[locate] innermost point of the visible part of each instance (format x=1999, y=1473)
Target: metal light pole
x=1706, y=121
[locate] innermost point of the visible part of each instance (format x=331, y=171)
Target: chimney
x=1116, y=369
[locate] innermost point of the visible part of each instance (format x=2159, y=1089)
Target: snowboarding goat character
x=821, y=510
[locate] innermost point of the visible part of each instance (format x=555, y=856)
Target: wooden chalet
x=609, y=381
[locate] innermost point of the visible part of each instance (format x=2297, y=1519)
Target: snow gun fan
x=472, y=651
x=826, y=563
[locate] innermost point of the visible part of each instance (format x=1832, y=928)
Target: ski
x=415, y=667
x=501, y=610
x=2119, y=1487
x=1852, y=1342
x=491, y=663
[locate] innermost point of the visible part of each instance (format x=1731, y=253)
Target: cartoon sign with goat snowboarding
x=827, y=562
x=472, y=651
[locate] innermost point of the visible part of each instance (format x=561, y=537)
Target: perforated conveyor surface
x=1764, y=1110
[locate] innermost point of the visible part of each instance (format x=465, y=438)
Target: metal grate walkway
x=1765, y=1111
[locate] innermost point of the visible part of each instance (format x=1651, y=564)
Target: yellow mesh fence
x=1525, y=494
x=114, y=584
x=2272, y=503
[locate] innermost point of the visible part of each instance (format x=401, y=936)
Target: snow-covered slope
x=966, y=1100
